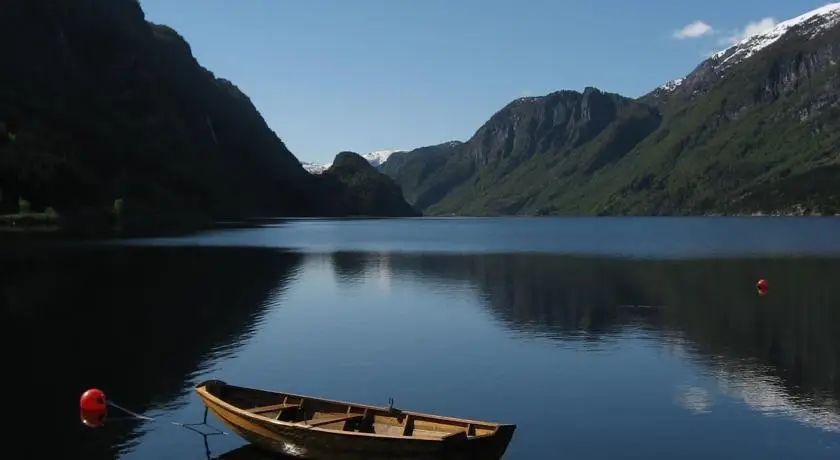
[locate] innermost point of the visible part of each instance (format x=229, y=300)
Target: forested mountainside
x=753, y=129
x=103, y=112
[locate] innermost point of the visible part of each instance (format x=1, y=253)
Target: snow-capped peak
x=377, y=158
x=810, y=24
x=315, y=168
x=374, y=158
x=818, y=21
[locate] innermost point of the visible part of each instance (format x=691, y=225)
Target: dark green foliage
x=761, y=136
x=815, y=190
x=106, y=106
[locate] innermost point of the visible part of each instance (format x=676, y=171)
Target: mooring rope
x=189, y=426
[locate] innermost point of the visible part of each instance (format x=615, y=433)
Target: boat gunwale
x=204, y=393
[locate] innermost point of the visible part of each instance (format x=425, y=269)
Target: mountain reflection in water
x=151, y=321
x=780, y=353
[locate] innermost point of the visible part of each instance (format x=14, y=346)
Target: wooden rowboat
x=316, y=428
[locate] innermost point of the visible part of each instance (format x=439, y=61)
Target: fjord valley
x=318, y=260
x=753, y=129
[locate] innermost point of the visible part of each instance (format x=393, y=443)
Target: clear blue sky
x=364, y=75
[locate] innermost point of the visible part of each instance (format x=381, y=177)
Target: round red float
x=761, y=287
x=93, y=400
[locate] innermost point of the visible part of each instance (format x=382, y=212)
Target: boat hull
x=303, y=442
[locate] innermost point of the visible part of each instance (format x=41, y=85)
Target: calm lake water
x=599, y=338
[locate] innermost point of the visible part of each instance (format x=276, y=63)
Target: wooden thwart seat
x=271, y=408
x=342, y=418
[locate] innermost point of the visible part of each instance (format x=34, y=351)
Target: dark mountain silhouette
x=104, y=113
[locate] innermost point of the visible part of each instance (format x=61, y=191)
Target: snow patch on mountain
x=672, y=85
x=377, y=158
x=809, y=24
x=374, y=158
x=315, y=168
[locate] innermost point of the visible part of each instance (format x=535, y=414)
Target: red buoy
x=761, y=287
x=93, y=400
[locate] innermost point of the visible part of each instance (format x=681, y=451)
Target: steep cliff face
x=752, y=129
x=105, y=106
x=500, y=170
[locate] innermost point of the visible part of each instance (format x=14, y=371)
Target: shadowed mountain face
x=105, y=106
x=411, y=169
x=749, y=130
x=358, y=188
x=139, y=323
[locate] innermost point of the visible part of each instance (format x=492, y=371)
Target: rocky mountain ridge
x=808, y=26
x=753, y=129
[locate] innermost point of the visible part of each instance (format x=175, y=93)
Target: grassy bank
x=25, y=219
x=102, y=223
x=30, y=221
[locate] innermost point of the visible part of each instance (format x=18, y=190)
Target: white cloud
x=696, y=29
x=752, y=28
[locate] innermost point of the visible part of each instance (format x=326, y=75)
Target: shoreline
x=45, y=223
x=183, y=224
x=29, y=221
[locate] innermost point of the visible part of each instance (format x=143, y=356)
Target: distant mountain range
x=753, y=129
x=376, y=159
x=104, y=115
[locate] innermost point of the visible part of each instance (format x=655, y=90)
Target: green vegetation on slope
x=760, y=136
x=766, y=125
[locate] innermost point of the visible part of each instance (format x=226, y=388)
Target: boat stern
x=505, y=432
x=493, y=447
